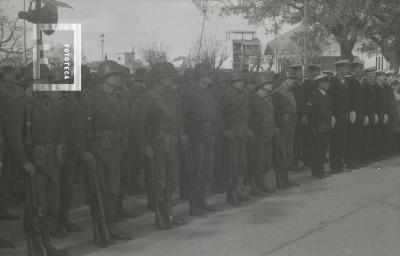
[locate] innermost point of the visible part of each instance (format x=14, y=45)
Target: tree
x=154, y=53
x=212, y=53
x=383, y=31
x=10, y=38
x=343, y=19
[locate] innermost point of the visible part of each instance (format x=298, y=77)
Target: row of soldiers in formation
x=200, y=131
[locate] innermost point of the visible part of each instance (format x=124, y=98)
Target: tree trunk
x=392, y=55
x=346, y=50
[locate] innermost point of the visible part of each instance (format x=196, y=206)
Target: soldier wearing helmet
x=234, y=109
x=32, y=124
x=159, y=135
x=285, y=109
x=101, y=126
x=200, y=114
x=262, y=124
x=68, y=107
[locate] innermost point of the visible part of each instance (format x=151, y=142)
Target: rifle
x=33, y=213
x=101, y=230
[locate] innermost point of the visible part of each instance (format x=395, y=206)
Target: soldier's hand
x=333, y=122
x=376, y=118
x=353, y=117
x=89, y=159
x=229, y=134
x=29, y=167
x=385, y=118
x=366, y=121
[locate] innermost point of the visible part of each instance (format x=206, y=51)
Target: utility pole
x=25, y=38
x=102, y=45
x=39, y=45
x=305, y=24
x=275, y=44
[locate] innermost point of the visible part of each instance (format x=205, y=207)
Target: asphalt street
x=355, y=213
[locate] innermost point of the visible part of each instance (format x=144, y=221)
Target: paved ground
x=355, y=213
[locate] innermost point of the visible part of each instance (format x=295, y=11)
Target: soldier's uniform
x=285, y=109
x=223, y=79
x=339, y=96
x=200, y=114
x=356, y=106
x=380, y=101
x=158, y=128
x=101, y=130
x=47, y=139
x=319, y=112
x=234, y=109
x=262, y=123
x=8, y=91
x=300, y=127
x=367, y=141
x=390, y=109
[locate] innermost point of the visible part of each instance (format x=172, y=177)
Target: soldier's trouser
x=235, y=151
x=284, y=152
x=353, y=153
x=201, y=155
x=300, y=153
x=262, y=161
x=388, y=136
x=379, y=139
x=338, y=145
x=48, y=192
x=109, y=181
x=4, y=181
x=67, y=178
x=126, y=181
x=367, y=142
x=219, y=181
x=319, y=146
x=164, y=182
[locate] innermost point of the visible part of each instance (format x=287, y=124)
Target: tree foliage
x=212, y=53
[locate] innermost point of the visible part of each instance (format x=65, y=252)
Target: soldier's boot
x=280, y=180
x=209, y=208
x=5, y=244
x=264, y=188
x=52, y=251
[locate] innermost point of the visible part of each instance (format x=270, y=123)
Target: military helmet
x=109, y=67
x=161, y=70
x=265, y=77
x=238, y=75
x=44, y=71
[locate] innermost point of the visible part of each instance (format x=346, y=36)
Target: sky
x=176, y=24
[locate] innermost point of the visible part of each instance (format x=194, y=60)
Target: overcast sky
x=132, y=23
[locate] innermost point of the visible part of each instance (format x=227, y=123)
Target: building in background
x=243, y=46
x=127, y=59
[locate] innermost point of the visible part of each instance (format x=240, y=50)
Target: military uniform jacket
x=158, y=117
x=380, y=99
x=234, y=108
x=319, y=112
x=101, y=125
x=369, y=98
x=308, y=87
x=299, y=95
x=285, y=108
x=390, y=103
x=262, y=120
x=200, y=112
x=339, y=97
x=46, y=128
x=356, y=98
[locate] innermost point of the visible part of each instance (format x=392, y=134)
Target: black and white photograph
x=199, y=127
